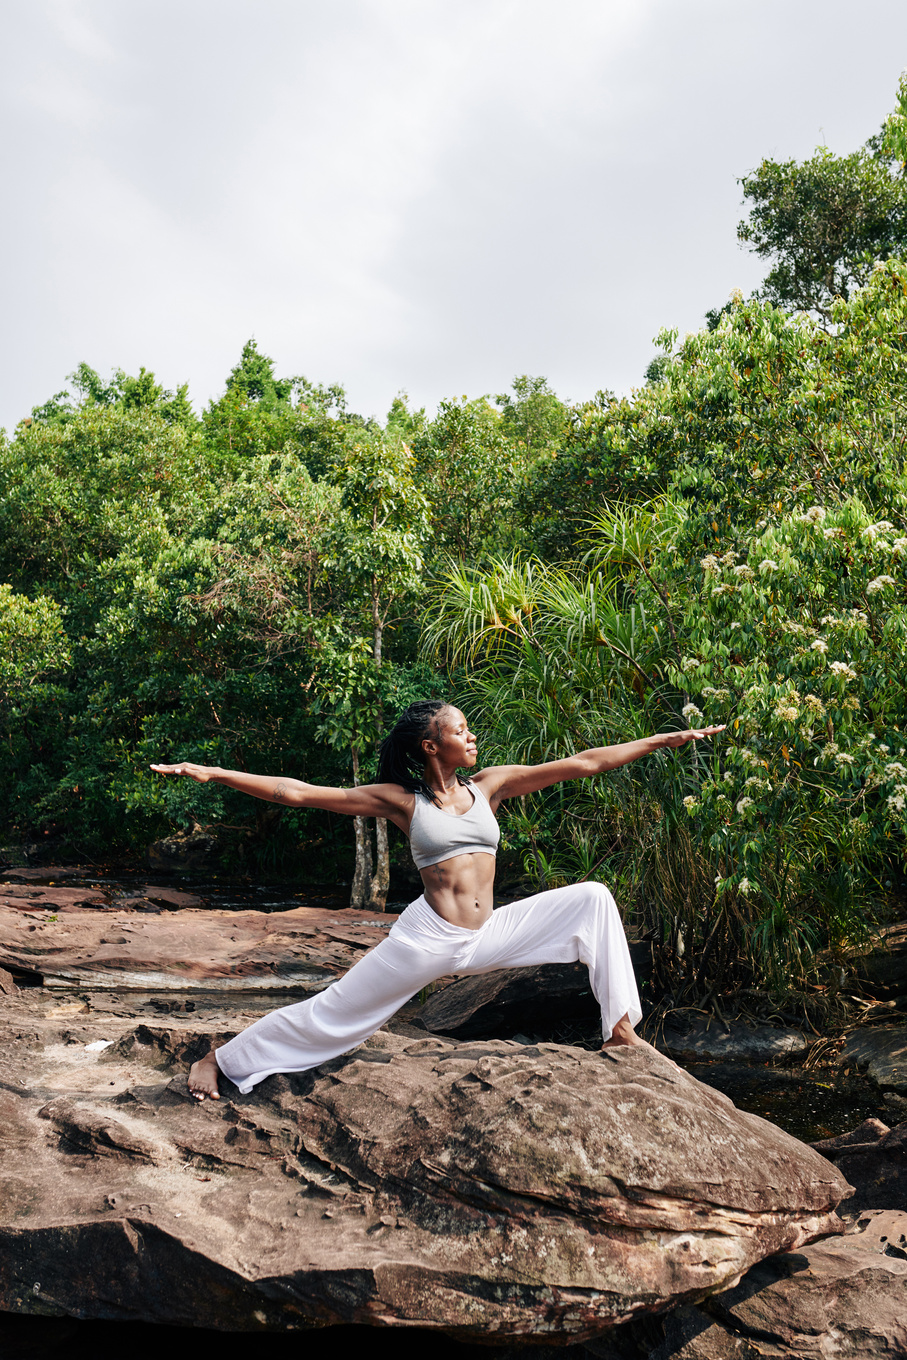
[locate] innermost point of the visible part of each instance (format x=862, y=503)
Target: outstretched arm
x=512, y=781
x=368, y=800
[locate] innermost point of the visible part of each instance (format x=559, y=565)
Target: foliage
x=764, y=586
x=823, y=224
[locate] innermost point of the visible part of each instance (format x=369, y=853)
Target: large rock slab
x=842, y=1298
x=873, y=1158
x=509, y=999
x=882, y=1052
x=490, y=1190
x=707, y=1038
x=881, y=969
x=301, y=950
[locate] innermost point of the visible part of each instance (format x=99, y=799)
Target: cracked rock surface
x=489, y=1190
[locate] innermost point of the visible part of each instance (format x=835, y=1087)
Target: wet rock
x=704, y=1037
x=48, y=897
x=299, y=951
x=882, y=1052
x=842, y=1297
x=184, y=853
x=873, y=1158
x=503, y=1002
x=882, y=969
x=487, y=1190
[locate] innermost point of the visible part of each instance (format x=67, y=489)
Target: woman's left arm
x=512, y=781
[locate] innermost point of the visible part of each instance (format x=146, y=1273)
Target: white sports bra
x=435, y=834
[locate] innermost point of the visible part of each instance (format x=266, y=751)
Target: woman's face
x=454, y=744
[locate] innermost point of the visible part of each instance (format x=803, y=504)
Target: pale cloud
x=398, y=193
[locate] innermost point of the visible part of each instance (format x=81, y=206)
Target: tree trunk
x=377, y=900
x=362, y=877
x=381, y=878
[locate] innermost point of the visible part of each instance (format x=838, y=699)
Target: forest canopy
x=266, y=584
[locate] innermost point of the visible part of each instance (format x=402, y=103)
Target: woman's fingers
x=198, y=772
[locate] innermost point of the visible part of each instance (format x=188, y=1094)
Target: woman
x=453, y=836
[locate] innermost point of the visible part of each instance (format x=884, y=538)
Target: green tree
x=753, y=574
x=824, y=223
x=375, y=558
x=470, y=470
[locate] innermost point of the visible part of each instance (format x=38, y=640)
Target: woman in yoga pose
x=451, y=928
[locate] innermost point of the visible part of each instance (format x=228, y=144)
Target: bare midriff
x=461, y=890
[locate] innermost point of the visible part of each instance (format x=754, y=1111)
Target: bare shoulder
x=496, y=780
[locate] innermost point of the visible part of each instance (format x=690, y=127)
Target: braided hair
x=401, y=759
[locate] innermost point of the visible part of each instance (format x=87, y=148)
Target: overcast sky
x=400, y=194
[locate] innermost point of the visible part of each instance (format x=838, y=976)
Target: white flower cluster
x=833, y=533
x=814, y=515
x=797, y=629
x=691, y=804
x=749, y=757
x=743, y=804
x=814, y=705
x=841, y=668
x=875, y=531
x=820, y=645
x=723, y=590
x=787, y=712
x=757, y=784
x=899, y=546
x=729, y=559
x=722, y=695
x=744, y=886
x=879, y=583
x=767, y=566
x=710, y=564
x=843, y=758
x=895, y=770
x=690, y=663
x=852, y=702
x=744, y=573
x=693, y=714
x=859, y=617
x=898, y=800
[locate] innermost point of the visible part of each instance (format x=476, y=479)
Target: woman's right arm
x=367, y=800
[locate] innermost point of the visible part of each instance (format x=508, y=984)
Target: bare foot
x=623, y=1035
x=203, y=1077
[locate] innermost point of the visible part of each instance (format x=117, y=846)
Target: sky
x=429, y=196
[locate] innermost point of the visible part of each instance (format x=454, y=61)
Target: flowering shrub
x=763, y=587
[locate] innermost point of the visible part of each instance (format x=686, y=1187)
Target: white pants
x=561, y=926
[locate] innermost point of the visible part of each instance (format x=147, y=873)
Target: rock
x=487, y=1190
x=302, y=950
x=839, y=1297
x=706, y=1038
x=882, y=1051
x=52, y=873
x=500, y=1003
x=882, y=969
x=47, y=897
x=183, y=853
x=873, y=1158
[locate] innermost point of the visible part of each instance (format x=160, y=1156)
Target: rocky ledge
x=490, y=1190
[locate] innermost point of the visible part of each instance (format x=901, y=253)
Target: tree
x=825, y=223
x=375, y=555
x=753, y=575
x=470, y=471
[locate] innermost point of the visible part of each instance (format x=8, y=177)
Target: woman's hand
x=200, y=773
x=674, y=739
